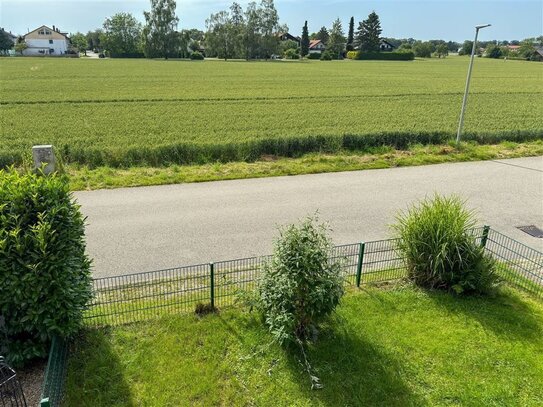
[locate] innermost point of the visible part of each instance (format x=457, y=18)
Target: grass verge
x=83, y=178
x=400, y=346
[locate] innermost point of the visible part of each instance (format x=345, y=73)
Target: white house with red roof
x=316, y=46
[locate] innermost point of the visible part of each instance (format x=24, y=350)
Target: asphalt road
x=141, y=229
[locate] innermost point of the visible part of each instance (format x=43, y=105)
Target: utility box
x=44, y=155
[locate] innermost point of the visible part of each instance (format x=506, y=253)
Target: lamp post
x=465, y=101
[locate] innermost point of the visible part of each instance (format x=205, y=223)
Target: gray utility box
x=44, y=155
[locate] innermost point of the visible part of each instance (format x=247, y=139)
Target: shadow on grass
x=95, y=375
x=353, y=371
x=504, y=313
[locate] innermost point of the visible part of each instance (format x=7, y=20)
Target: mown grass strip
x=85, y=178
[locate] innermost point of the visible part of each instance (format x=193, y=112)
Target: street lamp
x=464, y=102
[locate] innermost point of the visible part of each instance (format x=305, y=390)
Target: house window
x=51, y=51
x=50, y=41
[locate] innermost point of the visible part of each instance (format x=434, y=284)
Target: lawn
x=122, y=113
x=396, y=346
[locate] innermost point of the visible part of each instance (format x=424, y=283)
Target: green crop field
x=150, y=112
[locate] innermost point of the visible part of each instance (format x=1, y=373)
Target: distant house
x=11, y=36
x=513, y=48
x=13, y=39
x=316, y=46
x=46, y=41
x=538, y=54
x=386, y=46
x=289, y=37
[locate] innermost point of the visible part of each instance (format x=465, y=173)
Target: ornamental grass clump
x=301, y=285
x=45, y=279
x=436, y=240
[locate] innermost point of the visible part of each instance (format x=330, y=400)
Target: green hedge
x=45, y=275
x=385, y=56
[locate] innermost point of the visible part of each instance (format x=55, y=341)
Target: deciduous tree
x=160, y=29
x=79, y=41
x=5, y=42
x=269, y=19
x=122, y=34
x=336, y=42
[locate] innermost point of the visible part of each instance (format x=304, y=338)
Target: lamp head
x=478, y=27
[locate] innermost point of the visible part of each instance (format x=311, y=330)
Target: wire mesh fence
x=517, y=263
x=55, y=373
x=136, y=297
x=11, y=392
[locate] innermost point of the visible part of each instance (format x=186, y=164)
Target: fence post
x=484, y=237
x=212, y=285
x=360, y=261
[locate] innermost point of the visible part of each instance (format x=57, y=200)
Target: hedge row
x=385, y=56
x=127, y=55
x=200, y=153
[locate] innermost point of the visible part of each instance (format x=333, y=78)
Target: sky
x=430, y=19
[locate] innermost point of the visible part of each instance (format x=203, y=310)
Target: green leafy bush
x=196, y=56
x=291, y=54
x=327, y=56
x=300, y=285
x=314, y=55
x=352, y=54
x=44, y=273
x=440, y=250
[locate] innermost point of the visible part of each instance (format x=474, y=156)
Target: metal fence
x=55, y=373
x=11, y=392
x=518, y=264
x=136, y=297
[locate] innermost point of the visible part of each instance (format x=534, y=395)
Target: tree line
x=253, y=33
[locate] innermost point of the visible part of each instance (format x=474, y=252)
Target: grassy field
x=396, y=347
x=121, y=113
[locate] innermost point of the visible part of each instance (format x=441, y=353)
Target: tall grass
x=440, y=251
x=251, y=150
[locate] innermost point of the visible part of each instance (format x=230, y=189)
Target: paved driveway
x=140, y=229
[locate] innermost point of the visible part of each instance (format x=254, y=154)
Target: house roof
x=314, y=43
x=288, y=35
x=539, y=50
x=10, y=35
x=513, y=47
x=388, y=43
x=50, y=29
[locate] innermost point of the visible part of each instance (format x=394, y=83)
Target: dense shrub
x=300, y=285
x=314, y=55
x=196, y=56
x=385, y=56
x=127, y=55
x=291, y=54
x=440, y=250
x=326, y=56
x=352, y=54
x=44, y=273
